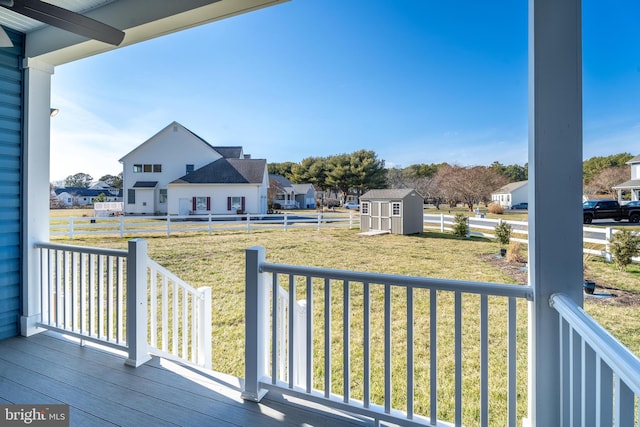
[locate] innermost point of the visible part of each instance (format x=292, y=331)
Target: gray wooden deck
x=101, y=390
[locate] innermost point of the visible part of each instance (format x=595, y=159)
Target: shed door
x=385, y=216
x=380, y=216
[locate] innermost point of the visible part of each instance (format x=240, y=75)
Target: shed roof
x=227, y=171
x=390, y=193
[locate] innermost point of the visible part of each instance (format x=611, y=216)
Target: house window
x=137, y=168
x=163, y=196
x=364, y=209
x=201, y=204
x=190, y=168
x=131, y=196
x=395, y=208
x=147, y=168
x=235, y=204
x=157, y=168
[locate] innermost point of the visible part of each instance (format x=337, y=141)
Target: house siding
x=11, y=94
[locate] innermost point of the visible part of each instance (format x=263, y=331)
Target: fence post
x=248, y=223
x=71, y=227
x=210, y=229
x=121, y=226
x=608, y=235
x=468, y=228
x=168, y=226
x=286, y=225
x=204, y=329
x=319, y=220
x=350, y=220
x=442, y=222
x=137, y=303
x=256, y=296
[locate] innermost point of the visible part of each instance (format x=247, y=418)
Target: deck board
x=102, y=390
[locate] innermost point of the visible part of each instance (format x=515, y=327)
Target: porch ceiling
x=136, y=18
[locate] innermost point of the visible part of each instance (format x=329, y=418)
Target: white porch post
x=35, y=185
x=137, y=341
x=555, y=180
x=256, y=323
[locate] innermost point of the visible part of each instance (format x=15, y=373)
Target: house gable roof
x=227, y=171
x=230, y=152
x=511, y=187
x=390, y=193
x=169, y=128
x=281, y=180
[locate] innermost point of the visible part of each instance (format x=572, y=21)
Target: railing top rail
x=624, y=363
x=81, y=249
x=154, y=265
x=516, y=291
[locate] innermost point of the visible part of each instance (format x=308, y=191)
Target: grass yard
x=217, y=261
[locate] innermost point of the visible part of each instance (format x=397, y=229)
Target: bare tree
x=603, y=181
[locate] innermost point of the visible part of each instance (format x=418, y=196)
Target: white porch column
x=555, y=189
x=35, y=184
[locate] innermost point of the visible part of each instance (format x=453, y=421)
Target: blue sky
x=417, y=81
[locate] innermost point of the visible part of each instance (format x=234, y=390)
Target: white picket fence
x=129, y=226
x=596, y=240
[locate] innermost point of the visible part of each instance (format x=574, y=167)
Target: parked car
x=351, y=205
x=524, y=206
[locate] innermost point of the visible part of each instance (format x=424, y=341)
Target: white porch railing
x=354, y=325
x=105, y=295
x=600, y=378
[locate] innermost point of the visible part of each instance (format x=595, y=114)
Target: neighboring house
x=398, y=211
x=82, y=196
x=284, y=192
x=633, y=185
x=511, y=194
x=221, y=187
x=170, y=157
x=305, y=195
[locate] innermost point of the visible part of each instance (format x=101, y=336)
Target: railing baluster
x=625, y=405
x=309, y=343
x=327, y=338
x=575, y=370
x=275, y=297
x=110, y=302
x=433, y=349
x=100, y=274
x=58, y=289
x=120, y=297
x=410, y=362
x=83, y=294
x=165, y=313
x=366, y=305
x=588, y=380
x=185, y=321
x=175, y=339
x=604, y=394
x=458, y=358
x=153, y=303
x=512, y=362
x=92, y=295
x=346, y=338
x=292, y=317
x=484, y=360
x=387, y=348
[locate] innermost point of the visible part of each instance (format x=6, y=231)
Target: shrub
x=460, y=225
x=503, y=233
x=624, y=246
x=495, y=208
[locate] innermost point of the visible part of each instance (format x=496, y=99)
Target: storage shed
x=398, y=211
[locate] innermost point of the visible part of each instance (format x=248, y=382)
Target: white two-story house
x=172, y=156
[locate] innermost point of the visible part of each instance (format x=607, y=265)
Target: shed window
x=395, y=208
x=364, y=208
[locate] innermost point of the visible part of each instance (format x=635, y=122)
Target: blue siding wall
x=10, y=184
